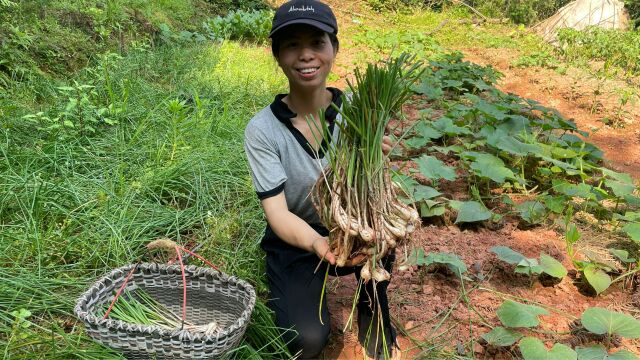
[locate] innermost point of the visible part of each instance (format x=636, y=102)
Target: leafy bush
x=520, y=11
x=239, y=4
x=633, y=7
x=614, y=47
x=400, y=5
x=240, y=25
x=59, y=37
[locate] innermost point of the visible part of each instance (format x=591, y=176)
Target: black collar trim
x=284, y=114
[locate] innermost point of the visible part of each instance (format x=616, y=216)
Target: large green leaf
x=528, y=266
x=489, y=109
x=489, y=166
x=425, y=130
x=581, y=190
x=406, y=182
x=622, y=255
x=435, y=169
x=552, y=266
x=456, y=149
x=452, y=261
x=562, y=153
x=532, y=211
x=508, y=143
x=508, y=255
x=555, y=203
x=533, y=349
x=500, y=336
x=568, y=168
x=632, y=200
x=430, y=208
x=471, y=211
x=620, y=189
x=417, y=142
x=445, y=125
x=621, y=177
x=633, y=230
x=628, y=216
x=429, y=87
x=514, y=314
x=597, y=278
x=598, y=352
x=602, y=321
x=422, y=192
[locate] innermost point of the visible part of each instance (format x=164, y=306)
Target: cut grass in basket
x=355, y=197
x=139, y=307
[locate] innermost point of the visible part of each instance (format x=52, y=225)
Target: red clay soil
x=419, y=298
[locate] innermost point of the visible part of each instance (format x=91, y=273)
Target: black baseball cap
x=310, y=12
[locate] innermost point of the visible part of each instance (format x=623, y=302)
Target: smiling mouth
x=308, y=71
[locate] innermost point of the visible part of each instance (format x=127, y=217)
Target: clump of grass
x=74, y=208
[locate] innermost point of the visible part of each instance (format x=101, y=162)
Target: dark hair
x=277, y=38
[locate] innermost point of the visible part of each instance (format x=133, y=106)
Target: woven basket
x=211, y=296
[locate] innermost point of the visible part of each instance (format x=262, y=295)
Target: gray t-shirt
x=281, y=159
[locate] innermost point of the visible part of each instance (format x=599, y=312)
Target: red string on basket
x=201, y=258
x=126, y=280
x=184, y=282
x=184, y=287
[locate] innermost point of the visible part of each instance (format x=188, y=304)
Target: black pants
x=295, y=298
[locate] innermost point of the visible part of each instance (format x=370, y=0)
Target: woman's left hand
x=387, y=145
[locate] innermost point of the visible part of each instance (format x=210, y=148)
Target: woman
x=286, y=157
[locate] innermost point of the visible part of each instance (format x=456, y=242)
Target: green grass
x=74, y=206
x=58, y=37
x=74, y=203
x=425, y=32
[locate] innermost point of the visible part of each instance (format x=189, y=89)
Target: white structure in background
x=579, y=14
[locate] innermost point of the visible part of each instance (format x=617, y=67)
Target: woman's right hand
x=320, y=246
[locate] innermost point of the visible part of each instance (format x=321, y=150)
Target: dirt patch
x=428, y=305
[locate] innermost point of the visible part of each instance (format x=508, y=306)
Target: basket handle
x=178, y=249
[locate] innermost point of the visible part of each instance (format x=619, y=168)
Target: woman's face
x=306, y=56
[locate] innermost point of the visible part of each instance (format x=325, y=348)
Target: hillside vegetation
x=122, y=122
